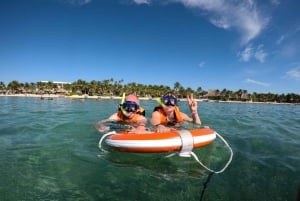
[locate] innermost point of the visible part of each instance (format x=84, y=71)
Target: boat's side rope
x=103, y=137
x=226, y=165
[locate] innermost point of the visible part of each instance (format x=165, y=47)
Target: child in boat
x=168, y=113
x=129, y=113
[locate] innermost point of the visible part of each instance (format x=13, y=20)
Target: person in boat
x=130, y=113
x=167, y=115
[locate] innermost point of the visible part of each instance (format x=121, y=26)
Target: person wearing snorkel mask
x=129, y=113
x=168, y=114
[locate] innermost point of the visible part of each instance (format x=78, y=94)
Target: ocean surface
x=49, y=151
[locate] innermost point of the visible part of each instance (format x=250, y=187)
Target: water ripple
x=49, y=151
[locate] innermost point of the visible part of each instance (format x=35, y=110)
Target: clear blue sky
x=245, y=44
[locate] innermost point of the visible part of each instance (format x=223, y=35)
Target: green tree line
x=111, y=87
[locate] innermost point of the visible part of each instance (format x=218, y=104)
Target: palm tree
x=110, y=86
x=177, y=86
x=199, y=92
x=117, y=87
x=13, y=86
x=244, y=95
x=92, y=86
x=2, y=87
x=80, y=87
x=106, y=86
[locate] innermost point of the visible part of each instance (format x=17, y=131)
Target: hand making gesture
x=194, y=108
x=192, y=103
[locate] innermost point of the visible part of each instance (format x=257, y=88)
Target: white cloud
x=264, y=84
x=275, y=2
x=142, y=1
x=294, y=73
x=250, y=52
x=78, y=2
x=260, y=54
x=246, y=54
x=221, y=23
x=201, y=64
x=243, y=15
x=288, y=35
x=279, y=41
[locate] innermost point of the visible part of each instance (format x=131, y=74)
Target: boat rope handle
x=104, y=136
x=226, y=165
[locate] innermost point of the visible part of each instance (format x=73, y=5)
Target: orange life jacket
x=163, y=116
x=133, y=119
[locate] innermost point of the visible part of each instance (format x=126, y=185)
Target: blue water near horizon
x=49, y=151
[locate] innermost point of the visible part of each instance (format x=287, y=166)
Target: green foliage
x=110, y=87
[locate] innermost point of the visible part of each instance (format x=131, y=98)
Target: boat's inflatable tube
x=153, y=142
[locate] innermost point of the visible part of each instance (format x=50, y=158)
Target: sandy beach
x=64, y=96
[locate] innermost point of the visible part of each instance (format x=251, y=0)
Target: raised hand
x=192, y=103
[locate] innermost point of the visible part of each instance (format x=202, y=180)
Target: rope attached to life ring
x=103, y=137
x=226, y=165
x=192, y=153
x=186, y=154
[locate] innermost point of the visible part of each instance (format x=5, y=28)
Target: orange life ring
x=154, y=142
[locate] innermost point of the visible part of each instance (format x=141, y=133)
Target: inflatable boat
x=155, y=142
x=181, y=141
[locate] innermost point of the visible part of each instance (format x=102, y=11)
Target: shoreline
x=141, y=98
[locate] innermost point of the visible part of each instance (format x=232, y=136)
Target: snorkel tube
x=160, y=102
x=121, y=107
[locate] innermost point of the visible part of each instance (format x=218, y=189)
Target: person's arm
x=155, y=121
x=140, y=125
x=100, y=125
x=194, y=109
x=155, y=118
x=196, y=118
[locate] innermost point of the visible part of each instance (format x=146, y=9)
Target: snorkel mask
x=128, y=107
x=167, y=100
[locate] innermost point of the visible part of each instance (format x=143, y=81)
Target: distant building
x=59, y=84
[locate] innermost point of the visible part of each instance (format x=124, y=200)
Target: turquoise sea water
x=49, y=151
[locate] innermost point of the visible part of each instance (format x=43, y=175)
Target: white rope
x=227, y=164
x=192, y=153
x=102, y=138
x=170, y=155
